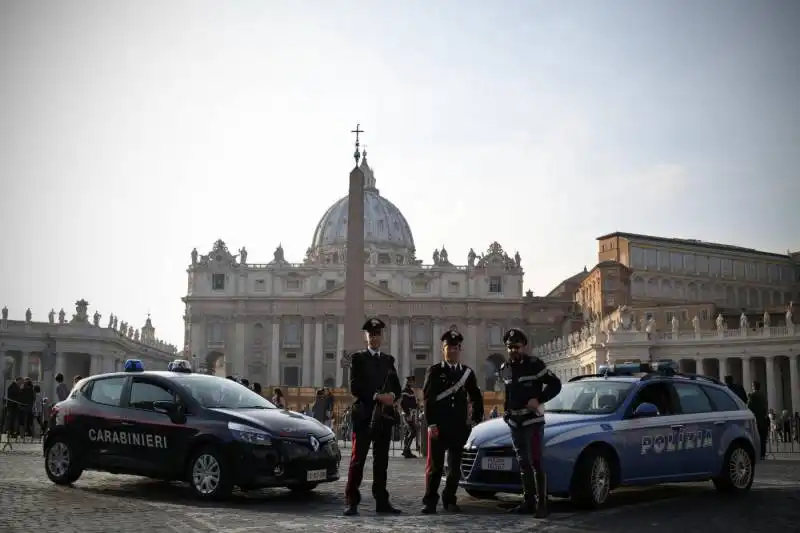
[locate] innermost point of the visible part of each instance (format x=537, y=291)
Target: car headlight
x=250, y=434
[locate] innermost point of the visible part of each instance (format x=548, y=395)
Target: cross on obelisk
x=354, y=263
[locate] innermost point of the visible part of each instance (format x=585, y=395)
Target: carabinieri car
x=630, y=424
x=212, y=432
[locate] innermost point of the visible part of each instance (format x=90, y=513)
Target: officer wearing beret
x=449, y=386
x=408, y=404
x=375, y=387
x=528, y=386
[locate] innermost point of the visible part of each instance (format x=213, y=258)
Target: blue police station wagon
x=630, y=424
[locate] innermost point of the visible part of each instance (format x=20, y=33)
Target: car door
x=102, y=420
x=697, y=429
x=649, y=442
x=155, y=442
x=726, y=423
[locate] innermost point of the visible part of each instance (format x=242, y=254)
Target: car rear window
x=107, y=391
x=721, y=399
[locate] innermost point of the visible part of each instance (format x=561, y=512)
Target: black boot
x=541, y=494
x=528, y=505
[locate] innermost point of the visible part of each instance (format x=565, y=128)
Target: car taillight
x=62, y=416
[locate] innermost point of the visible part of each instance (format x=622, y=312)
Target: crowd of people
x=26, y=407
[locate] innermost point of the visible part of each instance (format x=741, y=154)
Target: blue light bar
x=133, y=365
x=630, y=368
x=664, y=365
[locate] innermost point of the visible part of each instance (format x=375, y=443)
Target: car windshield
x=216, y=392
x=590, y=397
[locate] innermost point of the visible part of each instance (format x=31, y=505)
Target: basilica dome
x=385, y=227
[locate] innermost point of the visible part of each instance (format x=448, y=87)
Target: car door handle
x=677, y=426
x=127, y=423
x=719, y=423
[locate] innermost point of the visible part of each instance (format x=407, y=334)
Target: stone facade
x=76, y=346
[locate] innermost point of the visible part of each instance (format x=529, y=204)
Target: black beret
x=373, y=325
x=453, y=338
x=514, y=336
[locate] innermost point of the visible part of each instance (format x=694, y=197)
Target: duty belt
x=520, y=412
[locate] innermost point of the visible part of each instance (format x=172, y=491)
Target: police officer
x=408, y=404
x=448, y=387
x=375, y=387
x=528, y=386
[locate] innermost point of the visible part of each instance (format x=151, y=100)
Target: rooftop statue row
x=494, y=257
x=81, y=317
x=622, y=324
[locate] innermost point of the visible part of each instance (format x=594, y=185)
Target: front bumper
x=475, y=477
x=287, y=462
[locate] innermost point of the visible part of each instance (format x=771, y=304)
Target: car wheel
x=591, y=479
x=303, y=488
x=481, y=494
x=60, y=462
x=209, y=474
x=738, y=470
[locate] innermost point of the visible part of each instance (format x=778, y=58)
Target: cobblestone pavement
x=101, y=503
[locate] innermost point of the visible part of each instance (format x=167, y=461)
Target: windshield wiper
x=561, y=411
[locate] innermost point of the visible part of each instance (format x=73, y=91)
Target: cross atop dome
x=357, y=154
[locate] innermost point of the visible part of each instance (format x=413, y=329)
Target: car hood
x=280, y=422
x=495, y=432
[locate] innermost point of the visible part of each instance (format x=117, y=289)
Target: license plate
x=497, y=463
x=317, y=475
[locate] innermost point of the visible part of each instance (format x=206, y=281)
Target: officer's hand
x=533, y=404
x=433, y=431
x=385, y=399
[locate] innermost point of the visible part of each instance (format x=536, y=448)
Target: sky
x=132, y=132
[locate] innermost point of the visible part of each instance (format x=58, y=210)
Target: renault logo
x=314, y=442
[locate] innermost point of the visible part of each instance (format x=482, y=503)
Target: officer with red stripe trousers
x=375, y=387
x=528, y=386
x=449, y=385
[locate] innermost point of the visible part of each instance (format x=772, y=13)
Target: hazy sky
x=131, y=132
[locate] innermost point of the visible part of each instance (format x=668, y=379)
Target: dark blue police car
x=211, y=432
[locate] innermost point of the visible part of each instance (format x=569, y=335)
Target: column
x=700, y=371
x=2, y=373
x=771, y=384
x=406, y=364
x=471, y=342
x=239, y=350
x=275, y=354
x=394, y=346
x=339, y=354
x=437, y=342
x=794, y=380
x=61, y=367
x=24, y=364
x=723, y=368
x=197, y=343
x=306, y=370
x=747, y=375
x=95, y=364
x=319, y=356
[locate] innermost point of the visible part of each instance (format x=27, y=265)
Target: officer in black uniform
x=448, y=387
x=408, y=404
x=528, y=386
x=375, y=387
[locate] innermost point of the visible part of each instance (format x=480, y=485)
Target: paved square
x=103, y=503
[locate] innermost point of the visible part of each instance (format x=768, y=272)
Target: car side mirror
x=173, y=410
x=645, y=410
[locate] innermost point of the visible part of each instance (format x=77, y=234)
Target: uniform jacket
x=757, y=403
x=446, y=404
x=368, y=374
x=525, y=379
x=409, y=401
x=738, y=390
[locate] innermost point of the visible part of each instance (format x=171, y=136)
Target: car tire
x=481, y=494
x=61, y=463
x=209, y=474
x=591, y=480
x=303, y=488
x=738, y=470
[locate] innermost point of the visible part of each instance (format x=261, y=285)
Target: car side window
x=721, y=400
x=107, y=391
x=692, y=398
x=656, y=393
x=144, y=393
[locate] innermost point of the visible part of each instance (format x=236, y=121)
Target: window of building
x=381, y=226
x=611, y=300
x=420, y=333
x=291, y=376
x=215, y=332
x=419, y=285
x=217, y=282
x=258, y=334
x=495, y=285
x=291, y=355
x=454, y=287
x=107, y=391
x=684, y=315
x=422, y=357
x=329, y=284
x=669, y=315
x=143, y=394
x=330, y=356
x=291, y=333
x=689, y=263
x=495, y=335
x=676, y=261
x=384, y=259
x=738, y=269
x=260, y=285
x=704, y=314
x=292, y=284
x=330, y=332
x=384, y=284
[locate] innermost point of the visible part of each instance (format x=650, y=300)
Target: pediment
x=371, y=293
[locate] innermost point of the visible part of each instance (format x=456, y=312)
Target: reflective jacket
x=526, y=378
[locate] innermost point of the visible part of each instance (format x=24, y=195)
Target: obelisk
x=354, y=264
